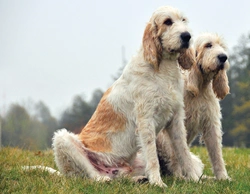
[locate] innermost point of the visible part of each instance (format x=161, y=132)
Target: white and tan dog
x=205, y=85
x=147, y=97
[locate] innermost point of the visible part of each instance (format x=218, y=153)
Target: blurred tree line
x=20, y=129
x=236, y=106
x=35, y=131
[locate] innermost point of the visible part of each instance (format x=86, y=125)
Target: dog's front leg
x=213, y=138
x=147, y=135
x=191, y=167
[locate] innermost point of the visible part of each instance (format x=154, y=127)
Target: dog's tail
x=43, y=168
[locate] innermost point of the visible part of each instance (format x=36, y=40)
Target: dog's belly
x=107, y=168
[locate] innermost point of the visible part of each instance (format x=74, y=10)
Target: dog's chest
x=200, y=110
x=166, y=98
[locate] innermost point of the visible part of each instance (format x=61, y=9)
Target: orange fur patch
x=105, y=121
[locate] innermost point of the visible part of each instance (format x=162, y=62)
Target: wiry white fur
x=69, y=155
x=149, y=100
x=202, y=107
x=169, y=163
x=203, y=111
x=43, y=168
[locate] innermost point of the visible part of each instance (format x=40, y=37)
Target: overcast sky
x=52, y=50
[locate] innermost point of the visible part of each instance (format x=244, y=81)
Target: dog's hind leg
x=167, y=159
x=71, y=158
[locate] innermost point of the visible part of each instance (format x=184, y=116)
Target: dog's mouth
x=221, y=66
x=216, y=70
x=173, y=50
x=201, y=69
x=184, y=45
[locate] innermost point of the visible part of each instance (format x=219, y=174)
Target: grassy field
x=14, y=180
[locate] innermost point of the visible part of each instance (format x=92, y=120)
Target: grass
x=14, y=180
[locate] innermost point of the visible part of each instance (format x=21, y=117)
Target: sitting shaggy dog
x=205, y=84
x=147, y=97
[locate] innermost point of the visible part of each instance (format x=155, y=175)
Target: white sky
x=52, y=50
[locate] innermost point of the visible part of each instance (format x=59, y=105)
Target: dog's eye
x=168, y=22
x=208, y=45
x=183, y=19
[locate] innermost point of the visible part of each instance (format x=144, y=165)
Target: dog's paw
x=162, y=184
x=223, y=176
x=140, y=179
x=157, y=181
x=159, y=184
x=197, y=164
x=102, y=179
x=192, y=176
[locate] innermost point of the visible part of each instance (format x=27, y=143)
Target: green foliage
x=97, y=95
x=48, y=121
x=236, y=107
x=19, y=129
x=77, y=116
x=14, y=180
x=25, y=131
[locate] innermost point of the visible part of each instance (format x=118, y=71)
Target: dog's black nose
x=185, y=37
x=222, y=58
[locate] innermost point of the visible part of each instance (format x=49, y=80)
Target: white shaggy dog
x=205, y=84
x=147, y=97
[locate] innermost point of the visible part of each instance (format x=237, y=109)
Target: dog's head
x=167, y=34
x=211, y=64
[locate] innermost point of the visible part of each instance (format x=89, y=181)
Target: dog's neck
x=197, y=81
x=205, y=78
x=205, y=84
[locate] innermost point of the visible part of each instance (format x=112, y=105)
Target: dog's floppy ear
x=220, y=84
x=152, y=46
x=194, y=79
x=187, y=58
